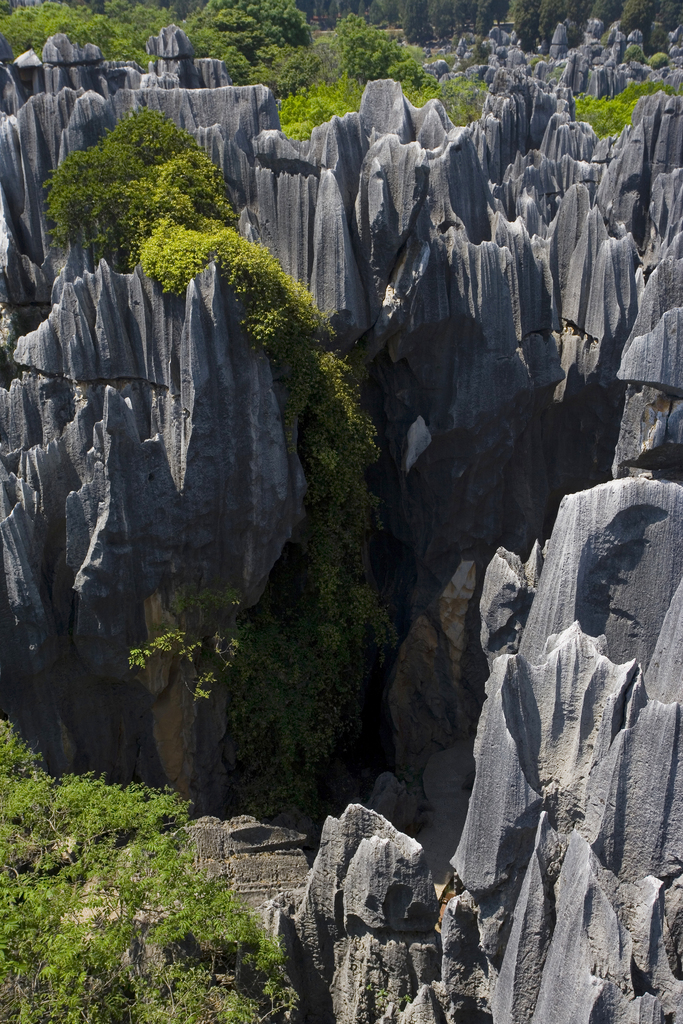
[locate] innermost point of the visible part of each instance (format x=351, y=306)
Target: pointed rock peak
x=60, y=50
x=170, y=44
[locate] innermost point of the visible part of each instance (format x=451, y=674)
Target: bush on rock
x=106, y=918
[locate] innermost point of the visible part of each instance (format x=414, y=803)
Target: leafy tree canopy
x=112, y=195
x=120, y=32
x=526, y=14
x=280, y=21
x=104, y=916
x=638, y=14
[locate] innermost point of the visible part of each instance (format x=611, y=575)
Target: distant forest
x=248, y=28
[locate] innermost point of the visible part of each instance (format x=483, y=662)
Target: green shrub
x=634, y=52
x=658, y=60
x=610, y=117
x=367, y=54
x=463, y=100
x=91, y=876
x=638, y=14
x=112, y=195
x=301, y=112
x=658, y=41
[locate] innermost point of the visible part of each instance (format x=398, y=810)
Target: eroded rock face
x=365, y=927
x=142, y=409
x=517, y=285
x=567, y=868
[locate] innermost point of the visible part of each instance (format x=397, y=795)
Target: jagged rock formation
x=495, y=274
x=518, y=287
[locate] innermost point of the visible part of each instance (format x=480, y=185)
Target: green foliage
x=551, y=12
x=365, y=54
x=658, y=60
x=376, y=13
x=289, y=70
x=526, y=14
x=463, y=100
x=670, y=14
x=609, y=117
x=634, y=52
x=301, y=113
x=416, y=21
x=105, y=918
x=658, y=41
x=442, y=18
x=112, y=195
x=280, y=21
x=251, y=38
x=297, y=662
x=638, y=14
x=121, y=32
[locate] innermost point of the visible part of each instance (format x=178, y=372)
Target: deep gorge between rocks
x=517, y=288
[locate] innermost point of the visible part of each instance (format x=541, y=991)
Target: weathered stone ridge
x=517, y=286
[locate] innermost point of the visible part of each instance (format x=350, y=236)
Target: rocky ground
x=518, y=286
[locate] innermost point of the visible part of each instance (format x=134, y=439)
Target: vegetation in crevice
x=610, y=117
x=105, y=917
x=298, y=659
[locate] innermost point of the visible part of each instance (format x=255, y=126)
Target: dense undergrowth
x=298, y=658
x=105, y=918
x=610, y=117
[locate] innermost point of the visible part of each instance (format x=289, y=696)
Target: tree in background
x=279, y=21
x=526, y=14
x=442, y=17
x=638, y=14
x=465, y=13
x=607, y=10
x=416, y=21
x=670, y=14
x=551, y=12
x=376, y=12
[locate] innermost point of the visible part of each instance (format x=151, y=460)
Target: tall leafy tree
x=416, y=23
x=526, y=14
x=465, y=12
x=442, y=17
x=638, y=14
x=551, y=12
x=670, y=14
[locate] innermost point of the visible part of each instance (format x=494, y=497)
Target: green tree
x=465, y=13
x=463, y=100
x=366, y=54
x=638, y=14
x=658, y=41
x=550, y=14
x=442, y=17
x=670, y=14
x=112, y=195
x=376, y=13
x=526, y=14
x=280, y=21
x=416, y=21
x=105, y=916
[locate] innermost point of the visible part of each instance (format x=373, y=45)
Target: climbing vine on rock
x=298, y=659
